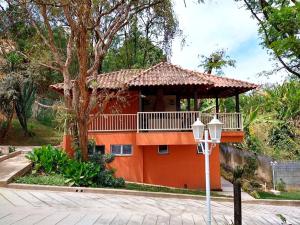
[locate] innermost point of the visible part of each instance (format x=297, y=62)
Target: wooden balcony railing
x=161, y=121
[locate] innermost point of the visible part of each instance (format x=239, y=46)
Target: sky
x=222, y=24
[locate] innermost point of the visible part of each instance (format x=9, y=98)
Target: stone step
x=12, y=168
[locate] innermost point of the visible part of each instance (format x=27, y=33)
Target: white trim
x=121, y=145
x=162, y=153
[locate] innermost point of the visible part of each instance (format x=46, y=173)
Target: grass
x=140, y=187
x=59, y=180
x=43, y=135
x=283, y=195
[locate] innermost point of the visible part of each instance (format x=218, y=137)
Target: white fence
x=161, y=121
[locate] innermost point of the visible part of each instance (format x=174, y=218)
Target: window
x=163, y=149
x=96, y=149
x=121, y=149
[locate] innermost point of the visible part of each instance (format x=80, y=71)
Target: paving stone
x=47, y=207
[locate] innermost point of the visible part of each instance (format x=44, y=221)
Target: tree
x=90, y=28
x=279, y=27
x=217, y=60
x=7, y=104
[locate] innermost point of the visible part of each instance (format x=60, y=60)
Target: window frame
x=162, y=153
x=121, y=150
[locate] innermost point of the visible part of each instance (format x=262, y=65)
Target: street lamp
x=215, y=131
x=273, y=164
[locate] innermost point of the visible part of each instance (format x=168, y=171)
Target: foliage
x=43, y=134
x=280, y=186
x=11, y=149
x=50, y=160
x=152, y=188
x=135, y=53
x=271, y=120
x=250, y=167
x=216, y=61
x=24, y=102
x=53, y=179
x=282, y=196
x=279, y=27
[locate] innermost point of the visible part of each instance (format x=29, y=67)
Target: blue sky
x=222, y=24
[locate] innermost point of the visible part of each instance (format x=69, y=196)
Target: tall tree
x=279, y=27
x=217, y=60
x=90, y=28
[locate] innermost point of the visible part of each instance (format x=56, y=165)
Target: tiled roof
x=166, y=74
x=112, y=80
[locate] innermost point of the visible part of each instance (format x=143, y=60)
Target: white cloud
x=221, y=24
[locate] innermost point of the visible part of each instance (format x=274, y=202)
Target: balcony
x=161, y=121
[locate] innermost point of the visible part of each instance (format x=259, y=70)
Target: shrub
x=250, y=167
x=281, y=186
x=51, y=160
x=81, y=173
x=11, y=149
x=48, y=159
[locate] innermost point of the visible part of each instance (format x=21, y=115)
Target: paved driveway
x=44, y=207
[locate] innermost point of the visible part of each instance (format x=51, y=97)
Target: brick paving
x=22, y=207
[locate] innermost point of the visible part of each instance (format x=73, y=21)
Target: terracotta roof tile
x=165, y=74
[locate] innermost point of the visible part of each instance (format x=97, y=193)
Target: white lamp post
x=215, y=131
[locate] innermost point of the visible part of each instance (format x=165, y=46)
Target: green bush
x=281, y=186
x=50, y=160
x=11, y=149
x=250, y=167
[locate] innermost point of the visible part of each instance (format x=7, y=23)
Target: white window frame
x=121, y=145
x=163, y=153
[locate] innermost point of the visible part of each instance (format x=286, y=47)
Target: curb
x=113, y=191
x=273, y=202
x=10, y=155
x=146, y=194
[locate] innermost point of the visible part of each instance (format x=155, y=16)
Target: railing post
x=137, y=122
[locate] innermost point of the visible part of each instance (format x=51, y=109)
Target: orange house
x=151, y=135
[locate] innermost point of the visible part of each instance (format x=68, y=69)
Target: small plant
x=48, y=160
x=11, y=149
x=281, y=186
x=250, y=167
x=1, y=153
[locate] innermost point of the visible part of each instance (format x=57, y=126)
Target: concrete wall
x=288, y=171
x=231, y=157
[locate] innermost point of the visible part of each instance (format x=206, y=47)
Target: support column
x=178, y=107
x=188, y=104
x=217, y=105
x=195, y=101
x=237, y=109
x=237, y=103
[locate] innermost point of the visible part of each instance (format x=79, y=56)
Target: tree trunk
x=83, y=137
x=8, y=126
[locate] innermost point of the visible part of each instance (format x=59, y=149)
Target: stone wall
x=288, y=171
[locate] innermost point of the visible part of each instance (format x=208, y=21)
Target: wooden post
x=237, y=202
x=217, y=105
x=237, y=103
x=195, y=101
x=188, y=104
x=178, y=106
x=237, y=108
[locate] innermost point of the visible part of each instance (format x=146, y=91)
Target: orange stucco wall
x=128, y=167
x=181, y=167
